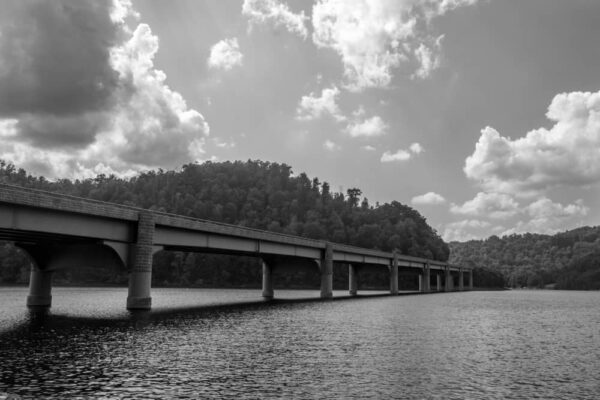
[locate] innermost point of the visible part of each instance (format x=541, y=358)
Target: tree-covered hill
x=256, y=194
x=567, y=260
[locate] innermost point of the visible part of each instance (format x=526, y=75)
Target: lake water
x=209, y=343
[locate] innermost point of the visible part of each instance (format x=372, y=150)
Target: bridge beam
x=267, y=280
x=40, y=288
x=394, y=275
x=140, y=268
x=352, y=279
x=327, y=272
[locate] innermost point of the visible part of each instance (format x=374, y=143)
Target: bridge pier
x=352, y=279
x=471, y=279
x=438, y=282
x=267, y=280
x=461, y=285
x=40, y=288
x=140, y=273
x=327, y=272
x=448, y=280
x=426, y=279
x=394, y=275
x=420, y=282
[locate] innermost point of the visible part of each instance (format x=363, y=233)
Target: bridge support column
x=426, y=279
x=267, y=280
x=140, y=273
x=461, y=283
x=448, y=280
x=394, y=275
x=327, y=272
x=438, y=281
x=471, y=279
x=420, y=282
x=352, y=279
x=40, y=288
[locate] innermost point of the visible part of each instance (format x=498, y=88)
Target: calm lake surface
x=470, y=345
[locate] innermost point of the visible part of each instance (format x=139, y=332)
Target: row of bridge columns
x=140, y=274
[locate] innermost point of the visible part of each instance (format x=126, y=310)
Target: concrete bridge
x=59, y=231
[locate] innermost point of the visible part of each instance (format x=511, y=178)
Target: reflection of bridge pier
x=59, y=231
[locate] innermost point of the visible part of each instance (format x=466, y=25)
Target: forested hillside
x=568, y=260
x=255, y=194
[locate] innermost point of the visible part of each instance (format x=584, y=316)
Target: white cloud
x=468, y=229
x=564, y=155
x=373, y=37
x=370, y=127
x=276, y=13
x=428, y=58
x=400, y=155
x=120, y=117
x=416, y=148
x=548, y=217
x=491, y=205
x=312, y=107
x=225, y=54
x=368, y=148
x=331, y=146
x=429, y=198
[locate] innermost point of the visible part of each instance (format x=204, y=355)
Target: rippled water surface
x=199, y=343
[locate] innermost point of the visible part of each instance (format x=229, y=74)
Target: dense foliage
x=256, y=194
x=568, y=260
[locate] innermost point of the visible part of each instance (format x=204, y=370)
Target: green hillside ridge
x=567, y=260
x=255, y=194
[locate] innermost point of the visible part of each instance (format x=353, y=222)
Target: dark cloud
x=55, y=57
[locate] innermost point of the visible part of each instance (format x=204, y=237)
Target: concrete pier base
x=426, y=279
x=40, y=288
x=448, y=280
x=140, y=272
x=470, y=279
x=327, y=272
x=352, y=280
x=267, y=281
x=394, y=275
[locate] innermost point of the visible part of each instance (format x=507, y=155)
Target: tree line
x=567, y=260
x=254, y=194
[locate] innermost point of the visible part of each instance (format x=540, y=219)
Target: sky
x=484, y=115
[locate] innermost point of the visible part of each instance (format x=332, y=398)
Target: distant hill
x=567, y=260
x=256, y=194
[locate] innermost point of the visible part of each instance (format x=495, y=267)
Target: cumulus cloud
x=546, y=216
x=429, y=198
x=225, y=54
x=331, y=146
x=313, y=107
x=402, y=155
x=492, y=205
x=374, y=37
x=540, y=216
x=369, y=148
x=468, y=229
x=81, y=95
x=566, y=154
x=370, y=127
x=416, y=148
x=276, y=13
